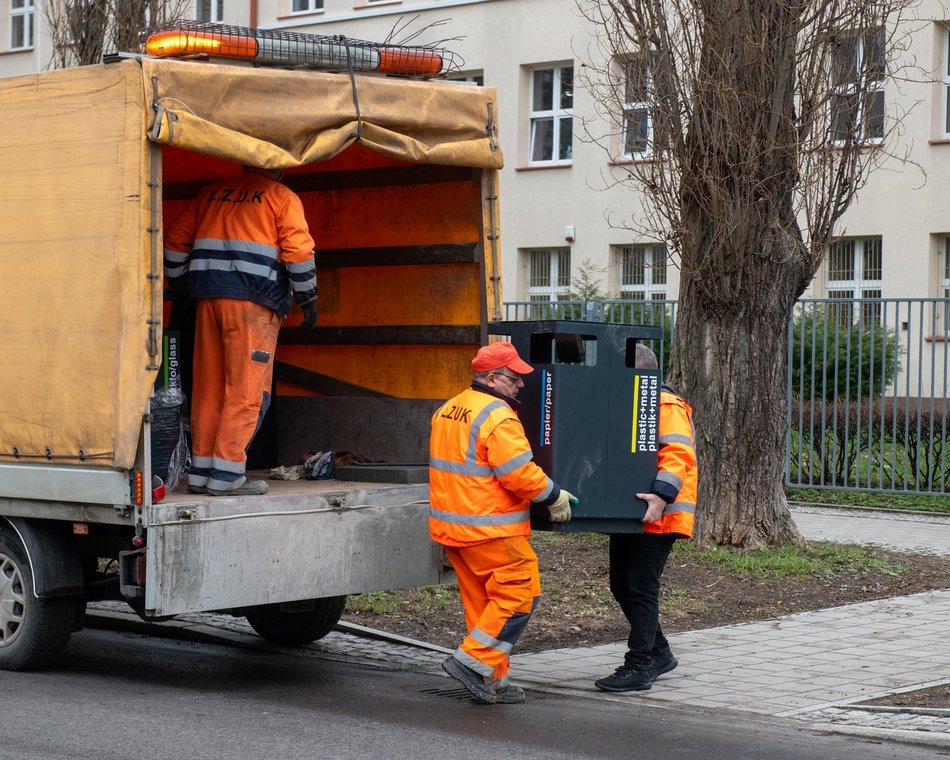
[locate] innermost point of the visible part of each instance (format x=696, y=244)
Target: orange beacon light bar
x=181, y=42
x=266, y=47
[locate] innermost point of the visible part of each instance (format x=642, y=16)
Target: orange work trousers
x=235, y=342
x=500, y=586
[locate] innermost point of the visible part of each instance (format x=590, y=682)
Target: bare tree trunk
x=735, y=363
x=743, y=150
x=744, y=265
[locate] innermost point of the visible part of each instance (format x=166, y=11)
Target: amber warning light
x=270, y=48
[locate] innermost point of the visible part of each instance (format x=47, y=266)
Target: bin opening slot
x=630, y=353
x=563, y=348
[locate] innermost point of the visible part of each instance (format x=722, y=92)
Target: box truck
x=399, y=181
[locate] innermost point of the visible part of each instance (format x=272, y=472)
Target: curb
x=902, y=735
x=896, y=514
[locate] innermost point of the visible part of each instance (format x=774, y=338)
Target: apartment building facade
x=562, y=208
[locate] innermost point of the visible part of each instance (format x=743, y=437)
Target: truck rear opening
x=399, y=182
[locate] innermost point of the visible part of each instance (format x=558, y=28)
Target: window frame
x=945, y=82
x=474, y=77
x=645, y=107
x=215, y=11
x=943, y=285
x=857, y=132
x=313, y=6
x=558, y=284
x=858, y=286
x=556, y=114
x=653, y=287
x=27, y=13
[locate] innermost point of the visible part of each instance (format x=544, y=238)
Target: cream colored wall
x=904, y=204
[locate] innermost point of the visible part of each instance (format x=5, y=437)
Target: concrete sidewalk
x=901, y=531
x=813, y=666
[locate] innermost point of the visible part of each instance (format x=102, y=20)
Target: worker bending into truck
x=242, y=250
x=482, y=480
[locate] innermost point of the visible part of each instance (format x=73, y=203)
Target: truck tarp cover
x=80, y=272
x=282, y=119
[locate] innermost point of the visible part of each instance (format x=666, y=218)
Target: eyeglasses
x=513, y=378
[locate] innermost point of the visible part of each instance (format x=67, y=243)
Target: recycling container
x=591, y=416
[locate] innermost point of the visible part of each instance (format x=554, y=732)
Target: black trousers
x=636, y=564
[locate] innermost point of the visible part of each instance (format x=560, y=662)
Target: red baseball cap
x=500, y=354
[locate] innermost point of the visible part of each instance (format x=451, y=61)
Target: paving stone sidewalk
x=813, y=666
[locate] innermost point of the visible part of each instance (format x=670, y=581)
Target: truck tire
x=298, y=623
x=33, y=632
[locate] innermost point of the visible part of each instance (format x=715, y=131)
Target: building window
x=643, y=272
x=855, y=272
x=472, y=77
x=549, y=274
x=944, y=264
x=21, y=24
x=304, y=6
x=638, y=138
x=946, y=80
x=552, y=106
x=857, y=71
x=209, y=10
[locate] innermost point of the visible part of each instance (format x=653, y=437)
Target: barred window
x=855, y=272
x=643, y=271
x=549, y=274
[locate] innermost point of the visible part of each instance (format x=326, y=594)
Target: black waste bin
x=591, y=416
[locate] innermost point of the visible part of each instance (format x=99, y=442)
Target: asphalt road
x=131, y=696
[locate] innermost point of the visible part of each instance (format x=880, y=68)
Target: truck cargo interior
x=401, y=302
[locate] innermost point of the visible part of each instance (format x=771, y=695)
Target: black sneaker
x=471, y=680
x=247, y=488
x=665, y=665
x=197, y=489
x=626, y=678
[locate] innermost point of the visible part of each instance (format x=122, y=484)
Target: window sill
x=631, y=161
x=542, y=167
x=939, y=141
x=937, y=338
x=364, y=4
x=14, y=51
x=302, y=14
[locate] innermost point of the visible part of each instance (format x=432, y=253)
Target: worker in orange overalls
x=243, y=249
x=637, y=560
x=481, y=480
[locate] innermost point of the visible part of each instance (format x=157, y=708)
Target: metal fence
x=867, y=386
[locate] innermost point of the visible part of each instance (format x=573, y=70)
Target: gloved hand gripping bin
x=591, y=416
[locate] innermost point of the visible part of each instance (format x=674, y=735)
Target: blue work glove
x=309, y=315
x=560, y=508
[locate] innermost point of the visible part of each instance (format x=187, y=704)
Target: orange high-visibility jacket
x=677, y=472
x=481, y=472
x=245, y=237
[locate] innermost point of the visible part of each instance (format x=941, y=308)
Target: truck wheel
x=33, y=632
x=297, y=623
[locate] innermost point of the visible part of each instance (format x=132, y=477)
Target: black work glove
x=309, y=315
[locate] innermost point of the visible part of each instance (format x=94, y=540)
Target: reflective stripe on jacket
x=245, y=237
x=676, y=478
x=481, y=472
